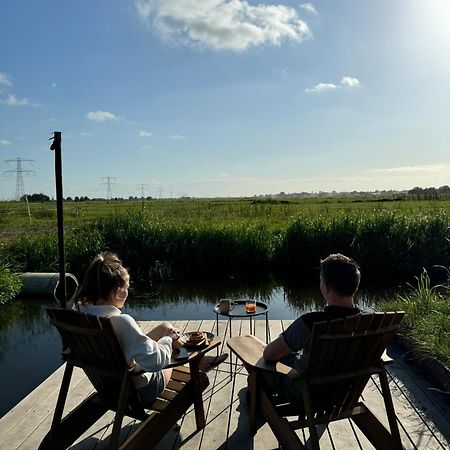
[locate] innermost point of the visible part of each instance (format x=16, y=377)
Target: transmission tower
x=20, y=189
x=109, y=183
x=142, y=187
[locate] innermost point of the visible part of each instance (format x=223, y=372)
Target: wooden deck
x=423, y=415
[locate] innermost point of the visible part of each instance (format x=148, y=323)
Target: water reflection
x=30, y=347
x=29, y=350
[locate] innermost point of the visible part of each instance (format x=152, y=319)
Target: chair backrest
x=93, y=346
x=343, y=354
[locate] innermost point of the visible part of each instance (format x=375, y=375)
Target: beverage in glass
x=250, y=306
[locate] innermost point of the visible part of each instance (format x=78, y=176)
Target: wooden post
x=56, y=146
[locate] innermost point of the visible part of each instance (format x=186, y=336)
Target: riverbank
x=425, y=329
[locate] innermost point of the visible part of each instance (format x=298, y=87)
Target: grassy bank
x=427, y=320
x=389, y=246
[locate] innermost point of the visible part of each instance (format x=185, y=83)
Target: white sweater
x=140, y=351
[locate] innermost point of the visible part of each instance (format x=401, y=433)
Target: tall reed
x=388, y=245
x=427, y=317
x=9, y=283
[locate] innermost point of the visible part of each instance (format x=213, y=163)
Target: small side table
x=239, y=311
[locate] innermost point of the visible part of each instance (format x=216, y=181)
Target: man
x=339, y=281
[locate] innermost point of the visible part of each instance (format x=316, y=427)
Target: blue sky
x=226, y=98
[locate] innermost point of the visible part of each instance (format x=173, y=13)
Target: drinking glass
x=250, y=306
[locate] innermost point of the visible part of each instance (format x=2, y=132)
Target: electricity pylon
x=20, y=189
x=109, y=183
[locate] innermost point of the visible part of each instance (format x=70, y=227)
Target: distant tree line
x=77, y=199
x=35, y=198
x=430, y=193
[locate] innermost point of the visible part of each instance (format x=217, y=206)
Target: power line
x=109, y=183
x=20, y=188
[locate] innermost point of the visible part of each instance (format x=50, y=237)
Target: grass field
x=392, y=237
x=275, y=213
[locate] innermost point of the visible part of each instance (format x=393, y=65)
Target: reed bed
x=427, y=318
x=388, y=245
x=9, y=283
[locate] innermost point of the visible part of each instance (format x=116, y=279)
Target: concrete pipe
x=46, y=285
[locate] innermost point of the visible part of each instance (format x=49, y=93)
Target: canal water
x=30, y=347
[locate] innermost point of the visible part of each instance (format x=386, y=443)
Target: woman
x=103, y=293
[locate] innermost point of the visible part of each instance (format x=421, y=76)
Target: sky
x=209, y=98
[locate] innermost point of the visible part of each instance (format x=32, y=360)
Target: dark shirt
x=298, y=334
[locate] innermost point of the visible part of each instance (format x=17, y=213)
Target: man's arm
x=276, y=350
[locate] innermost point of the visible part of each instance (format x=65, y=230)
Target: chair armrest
x=249, y=350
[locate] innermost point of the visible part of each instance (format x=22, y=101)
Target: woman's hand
x=177, y=343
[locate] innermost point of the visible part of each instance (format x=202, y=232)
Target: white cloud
x=406, y=170
x=146, y=147
x=5, y=80
x=102, y=116
x=145, y=134
x=309, y=7
x=346, y=81
x=4, y=142
x=322, y=87
x=177, y=137
x=12, y=100
x=53, y=84
x=222, y=24
x=85, y=133
x=350, y=81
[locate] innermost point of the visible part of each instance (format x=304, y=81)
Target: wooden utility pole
x=56, y=147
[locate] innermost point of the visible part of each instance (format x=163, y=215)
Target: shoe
x=215, y=362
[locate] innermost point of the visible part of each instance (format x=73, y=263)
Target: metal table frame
x=239, y=311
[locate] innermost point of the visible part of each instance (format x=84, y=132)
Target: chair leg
x=285, y=435
x=313, y=436
x=390, y=408
x=376, y=432
x=252, y=387
x=157, y=425
x=62, y=396
x=120, y=412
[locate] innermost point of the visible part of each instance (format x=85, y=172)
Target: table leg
x=267, y=328
x=198, y=397
x=231, y=354
x=217, y=324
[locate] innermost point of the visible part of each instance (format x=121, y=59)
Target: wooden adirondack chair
x=92, y=345
x=344, y=354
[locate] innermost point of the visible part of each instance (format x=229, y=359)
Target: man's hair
x=104, y=274
x=340, y=273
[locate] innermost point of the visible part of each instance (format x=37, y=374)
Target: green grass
x=9, y=283
x=388, y=245
x=393, y=238
x=427, y=318
x=276, y=213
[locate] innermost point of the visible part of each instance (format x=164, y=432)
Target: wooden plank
x=18, y=423
x=226, y=410
x=214, y=401
x=37, y=426
x=32, y=400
